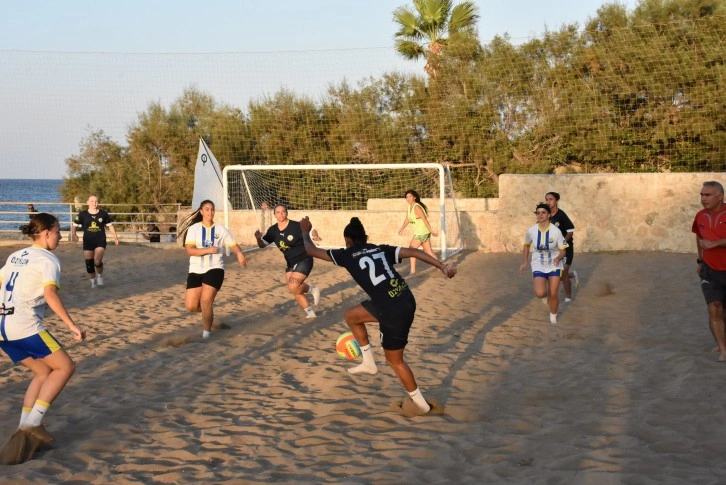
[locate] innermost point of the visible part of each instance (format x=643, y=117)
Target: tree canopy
x=640, y=91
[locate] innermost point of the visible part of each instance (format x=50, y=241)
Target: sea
x=44, y=194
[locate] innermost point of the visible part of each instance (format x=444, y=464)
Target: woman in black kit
x=391, y=302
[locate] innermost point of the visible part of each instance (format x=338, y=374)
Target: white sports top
x=22, y=283
x=545, y=246
x=200, y=236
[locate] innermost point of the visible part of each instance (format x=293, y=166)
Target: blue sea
x=44, y=194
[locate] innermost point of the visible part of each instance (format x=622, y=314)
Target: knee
x=294, y=287
x=90, y=269
x=98, y=262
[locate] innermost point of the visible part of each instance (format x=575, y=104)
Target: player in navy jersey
x=391, y=302
x=93, y=222
x=287, y=237
x=559, y=218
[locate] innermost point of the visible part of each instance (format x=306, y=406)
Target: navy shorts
x=37, y=346
x=213, y=277
x=395, y=321
x=91, y=243
x=713, y=284
x=304, y=267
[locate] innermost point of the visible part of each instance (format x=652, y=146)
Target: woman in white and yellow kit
x=204, y=242
x=29, y=282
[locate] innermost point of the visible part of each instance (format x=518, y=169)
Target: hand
x=242, y=260
x=306, y=225
x=434, y=234
x=522, y=267
x=449, y=270
x=116, y=241
x=400, y=231
x=79, y=334
x=258, y=234
x=213, y=250
x=74, y=238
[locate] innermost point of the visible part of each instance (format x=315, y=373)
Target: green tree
x=434, y=26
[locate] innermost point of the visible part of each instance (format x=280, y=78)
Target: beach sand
x=624, y=389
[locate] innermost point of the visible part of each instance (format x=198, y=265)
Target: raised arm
x=310, y=246
x=449, y=270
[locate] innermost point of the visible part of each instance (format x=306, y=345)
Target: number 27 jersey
x=372, y=268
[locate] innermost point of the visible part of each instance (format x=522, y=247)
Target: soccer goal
x=334, y=193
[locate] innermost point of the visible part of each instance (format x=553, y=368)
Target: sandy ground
x=624, y=389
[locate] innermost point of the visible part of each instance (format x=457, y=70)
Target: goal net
x=331, y=194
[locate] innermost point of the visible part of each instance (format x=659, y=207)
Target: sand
x=624, y=389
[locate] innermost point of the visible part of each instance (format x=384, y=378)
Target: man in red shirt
x=710, y=229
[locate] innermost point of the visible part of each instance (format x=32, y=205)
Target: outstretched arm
x=448, y=269
x=310, y=246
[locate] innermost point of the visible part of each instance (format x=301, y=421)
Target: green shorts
x=422, y=237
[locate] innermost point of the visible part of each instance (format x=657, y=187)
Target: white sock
x=553, y=318
x=367, y=355
x=310, y=311
x=419, y=401
x=24, y=416
x=205, y=333
x=369, y=363
x=35, y=417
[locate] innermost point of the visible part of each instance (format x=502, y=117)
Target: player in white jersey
x=205, y=242
x=548, y=247
x=29, y=283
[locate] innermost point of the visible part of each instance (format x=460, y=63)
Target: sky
x=52, y=94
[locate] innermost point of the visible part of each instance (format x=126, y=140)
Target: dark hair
x=355, y=231
x=198, y=213
x=542, y=205
x=715, y=185
x=417, y=199
x=553, y=194
x=39, y=223
x=280, y=204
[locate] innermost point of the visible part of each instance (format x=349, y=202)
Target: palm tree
x=433, y=26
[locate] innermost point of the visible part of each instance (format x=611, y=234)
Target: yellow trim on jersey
x=48, y=339
x=54, y=283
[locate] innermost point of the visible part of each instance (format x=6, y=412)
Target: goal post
x=334, y=193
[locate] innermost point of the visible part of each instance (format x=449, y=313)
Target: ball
x=347, y=347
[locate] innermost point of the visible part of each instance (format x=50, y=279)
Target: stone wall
x=611, y=212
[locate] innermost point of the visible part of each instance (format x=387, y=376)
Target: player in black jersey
x=287, y=237
x=391, y=302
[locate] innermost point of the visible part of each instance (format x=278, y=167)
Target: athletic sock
x=310, y=312
x=419, y=401
x=553, y=318
x=369, y=363
x=35, y=417
x=205, y=333
x=24, y=416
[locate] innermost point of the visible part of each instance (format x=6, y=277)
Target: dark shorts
x=395, y=321
x=213, y=277
x=713, y=284
x=37, y=346
x=569, y=254
x=305, y=267
x=91, y=243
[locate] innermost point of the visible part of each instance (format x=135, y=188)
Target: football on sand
x=347, y=347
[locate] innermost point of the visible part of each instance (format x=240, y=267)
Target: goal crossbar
x=444, y=178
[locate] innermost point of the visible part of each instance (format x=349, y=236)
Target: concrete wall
x=611, y=212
